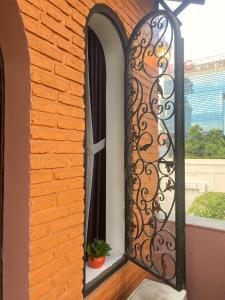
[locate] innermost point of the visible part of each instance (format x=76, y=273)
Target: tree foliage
x=209, y=205
x=205, y=144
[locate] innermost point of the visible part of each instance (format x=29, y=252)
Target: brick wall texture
x=56, y=41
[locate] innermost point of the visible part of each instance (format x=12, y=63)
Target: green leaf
x=97, y=249
x=209, y=205
x=205, y=144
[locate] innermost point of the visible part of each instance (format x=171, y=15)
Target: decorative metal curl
x=150, y=143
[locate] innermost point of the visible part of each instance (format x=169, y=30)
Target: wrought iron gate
x=155, y=148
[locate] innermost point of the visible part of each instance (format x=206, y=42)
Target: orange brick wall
x=55, y=35
x=121, y=284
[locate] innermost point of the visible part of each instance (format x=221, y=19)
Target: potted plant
x=96, y=252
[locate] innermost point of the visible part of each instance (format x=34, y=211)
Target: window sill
x=112, y=264
x=91, y=274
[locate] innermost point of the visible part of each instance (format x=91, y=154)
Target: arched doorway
x=15, y=242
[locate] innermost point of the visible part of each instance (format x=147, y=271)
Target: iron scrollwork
x=151, y=164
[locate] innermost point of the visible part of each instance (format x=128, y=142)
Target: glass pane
x=205, y=141
x=97, y=213
x=97, y=84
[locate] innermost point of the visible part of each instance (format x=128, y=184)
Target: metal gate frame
x=132, y=249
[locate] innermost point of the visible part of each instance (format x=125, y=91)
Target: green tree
x=195, y=143
x=215, y=144
x=205, y=144
x=209, y=205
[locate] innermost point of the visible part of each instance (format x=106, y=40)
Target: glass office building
x=205, y=104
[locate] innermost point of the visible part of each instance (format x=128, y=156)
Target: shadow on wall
x=17, y=149
x=205, y=263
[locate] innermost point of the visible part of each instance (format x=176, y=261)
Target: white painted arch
x=115, y=136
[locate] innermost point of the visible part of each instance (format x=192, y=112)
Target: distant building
x=168, y=86
x=206, y=100
x=188, y=116
x=224, y=114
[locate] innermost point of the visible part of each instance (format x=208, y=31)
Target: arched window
x=105, y=176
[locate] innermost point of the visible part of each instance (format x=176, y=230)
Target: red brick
x=69, y=73
x=44, y=105
x=49, y=242
x=67, y=147
x=76, y=232
x=67, y=110
x=46, y=133
x=39, y=231
x=41, y=176
x=62, y=5
x=88, y=3
x=43, y=202
x=76, y=63
x=76, y=196
x=67, y=222
x=70, y=48
x=50, y=214
x=48, y=161
x=46, y=271
x=38, y=29
x=47, y=79
x=29, y=10
x=79, y=18
x=77, y=113
x=76, y=160
x=73, y=100
x=76, y=136
x=79, y=6
x=70, y=123
x=52, y=295
x=77, y=40
x=44, y=47
x=44, y=92
x=43, y=189
x=74, y=27
x=40, y=61
x=41, y=260
x=76, y=183
x=78, y=253
x=56, y=27
x=42, y=118
x=40, y=4
x=76, y=89
x=40, y=147
x=69, y=173
x=68, y=248
x=41, y=289
x=54, y=12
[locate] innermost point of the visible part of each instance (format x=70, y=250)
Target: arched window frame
x=119, y=28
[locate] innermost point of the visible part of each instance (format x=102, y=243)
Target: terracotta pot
x=96, y=263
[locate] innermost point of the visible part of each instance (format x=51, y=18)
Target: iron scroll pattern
x=150, y=164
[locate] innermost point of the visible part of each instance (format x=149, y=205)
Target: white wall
x=203, y=175
x=115, y=185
